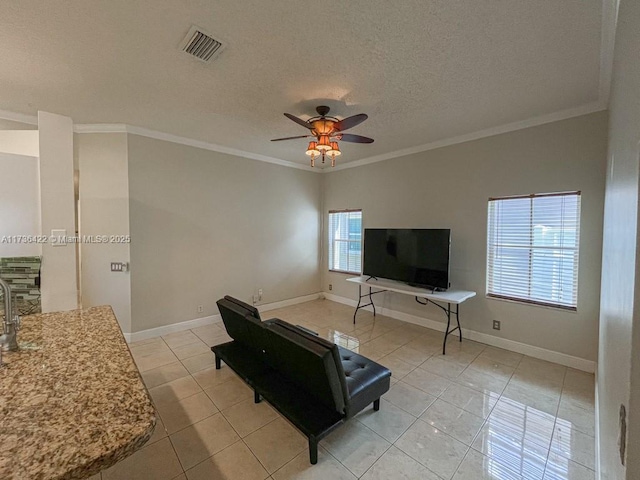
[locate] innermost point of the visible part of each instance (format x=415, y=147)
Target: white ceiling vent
x=201, y=45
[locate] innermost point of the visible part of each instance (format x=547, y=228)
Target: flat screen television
x=419, y=257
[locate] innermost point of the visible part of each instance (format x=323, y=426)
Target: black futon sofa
x=314, y=383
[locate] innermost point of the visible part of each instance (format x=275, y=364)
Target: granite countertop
x=71, y=399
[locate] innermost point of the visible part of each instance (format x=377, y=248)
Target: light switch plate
x=59, y=238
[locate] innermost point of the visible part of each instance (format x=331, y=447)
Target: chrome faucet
x=9, y=339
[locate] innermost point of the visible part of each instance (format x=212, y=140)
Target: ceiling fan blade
x=299, y=121
x=290, y=138
x=350, y=122
x=349, y=137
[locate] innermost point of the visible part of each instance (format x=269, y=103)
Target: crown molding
x=19, y=117
x=489, y=132
x=99, y=128
x=168, y=137
x=144, y=132
x=607, y=44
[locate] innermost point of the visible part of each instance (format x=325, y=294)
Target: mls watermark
x=64, y=239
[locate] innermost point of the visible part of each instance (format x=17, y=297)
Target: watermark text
x=64, y=239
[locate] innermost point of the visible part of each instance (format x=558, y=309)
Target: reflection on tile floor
x=476, y=413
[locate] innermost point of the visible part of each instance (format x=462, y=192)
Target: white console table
x=450, y=297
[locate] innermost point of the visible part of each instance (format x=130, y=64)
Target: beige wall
x=20, y=192
x=11, y=125
x=104, y=210
x=59, y=274
x=619, y=362
x=19, y=204
x=20, y=142
x=449, y=188
x=206, y=224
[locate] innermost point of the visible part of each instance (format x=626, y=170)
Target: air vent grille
x=200, y=45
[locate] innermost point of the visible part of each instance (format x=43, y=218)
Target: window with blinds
x=532, y=249
x=345, y=241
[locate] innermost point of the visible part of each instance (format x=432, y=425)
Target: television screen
x=419, y=257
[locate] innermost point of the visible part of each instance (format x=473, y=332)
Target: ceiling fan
x=327, y=131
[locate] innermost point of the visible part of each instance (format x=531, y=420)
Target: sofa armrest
x=278, y=321
x=305, y=329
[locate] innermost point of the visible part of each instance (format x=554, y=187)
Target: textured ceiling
x=422, y=70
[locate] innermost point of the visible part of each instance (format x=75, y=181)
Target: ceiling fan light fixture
x=312, y=150
x=323, y=126
x=334, y=151
x=328, y=131
x=324, y=144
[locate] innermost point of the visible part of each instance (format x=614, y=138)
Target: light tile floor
x=477, y=413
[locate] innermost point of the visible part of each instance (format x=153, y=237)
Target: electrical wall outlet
x=119, y=266
x=200, y=309
x=330, y=287
x=496, y=324
x=259, y=294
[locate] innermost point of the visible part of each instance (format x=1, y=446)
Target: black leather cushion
x=241, y=325
x=366, y=380
x=307, y=360
x=253, y=311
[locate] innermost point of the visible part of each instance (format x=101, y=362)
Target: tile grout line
x=438, y=397
x=500, y=398
x=481, y=426
x=418, y=461
x=211, y=456
x=175, y=452
x=555, y=422
x=219, y=411
x=452, y=381
x=376, y=460
x=485, y=420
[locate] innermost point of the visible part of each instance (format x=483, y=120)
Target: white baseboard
x=174, y=327
x=405, y=317
x=532, y=351
x=210, y=320
x=287, y=303
x=518, y=347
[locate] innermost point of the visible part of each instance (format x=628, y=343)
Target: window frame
x=331, y=241
x=490, y=263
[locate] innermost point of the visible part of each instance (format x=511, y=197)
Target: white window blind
x=345, y=241
x=532, y=249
